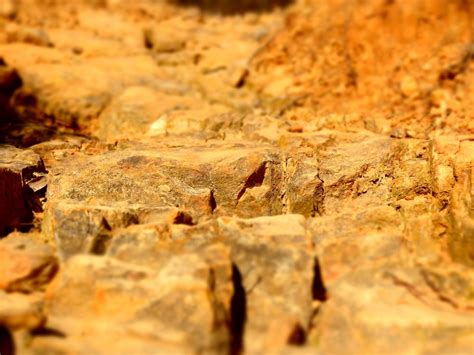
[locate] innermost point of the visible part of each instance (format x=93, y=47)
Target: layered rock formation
x=175, y=180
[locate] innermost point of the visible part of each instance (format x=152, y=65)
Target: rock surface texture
x=236, y=177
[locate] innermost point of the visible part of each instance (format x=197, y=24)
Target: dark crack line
x=254, y=180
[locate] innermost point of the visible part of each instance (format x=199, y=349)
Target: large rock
x=348, y=240
x=273, y=273
x=186, y=302
x=386, y=311
x=127, y=184
x=276, y=265
x=380, y=292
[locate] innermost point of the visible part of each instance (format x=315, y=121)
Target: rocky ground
x=237, y=178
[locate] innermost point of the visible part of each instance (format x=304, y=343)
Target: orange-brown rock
x=236, y=177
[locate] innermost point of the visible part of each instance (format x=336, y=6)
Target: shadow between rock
x=234, y=7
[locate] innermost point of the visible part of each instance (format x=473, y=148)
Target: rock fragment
x=145, y=178
x=163, y=40
x=386, y=309
x=259, y=247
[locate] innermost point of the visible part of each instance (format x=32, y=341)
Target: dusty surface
x=236, y=178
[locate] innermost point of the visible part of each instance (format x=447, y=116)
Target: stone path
x=162, y=191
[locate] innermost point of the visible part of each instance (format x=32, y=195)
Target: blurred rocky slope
x=214, y=179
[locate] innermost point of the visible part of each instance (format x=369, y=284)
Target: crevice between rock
x=318, y=289
x=254, y=180
x=7, y=345
x=238, y=313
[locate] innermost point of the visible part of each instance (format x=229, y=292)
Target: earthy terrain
x=236, y=177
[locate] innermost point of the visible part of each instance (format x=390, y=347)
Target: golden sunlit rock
x=236, y=177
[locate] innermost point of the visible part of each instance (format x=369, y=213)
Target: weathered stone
x=27, y=265
x=277, y=246
x=146, y=178
x=140, y=110
x=164, y=40
x=118, y=341
x=17, y=168
x=348, y=240
x=187, y=301
x=186, y=122
x=367, y=310
x=462, y=219
x=305, y=191
x=96, y=82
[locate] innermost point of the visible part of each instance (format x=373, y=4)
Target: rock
x=452, y=164
x=277, y=246
x=93, y=20
x=27, y=265
x=186, y=122
x=243, y=184
x=163, y=40
x=52, y=150
x=82, y=228
x=325, y=178
x=119, y=341
x=387, y=316
x=153, y=177
x=409, y=86
x=460, y=241
x=18, y=311
x=140, y=111
x=186, y=302
x=89, y=45
x=305, y=189
x=17, y=169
